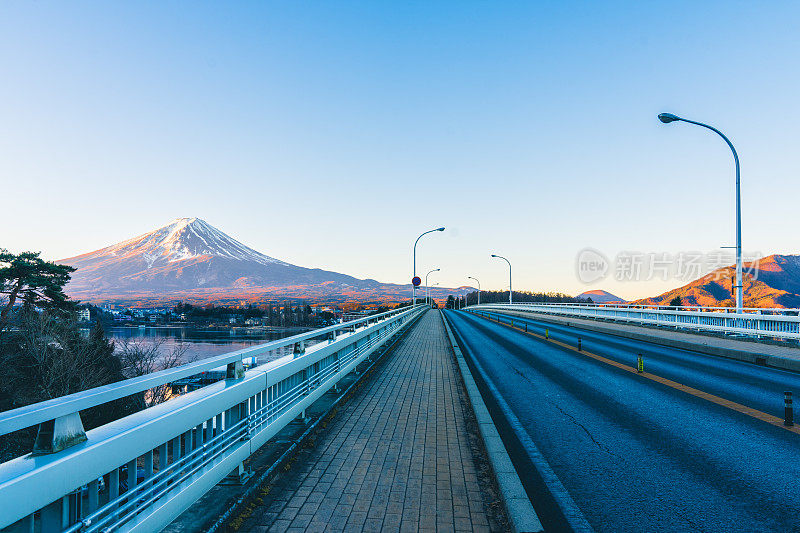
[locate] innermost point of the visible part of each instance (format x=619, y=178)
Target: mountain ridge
x=776, y=284
x=190, y=260
x=600, y=296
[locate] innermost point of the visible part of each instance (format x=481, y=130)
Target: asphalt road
x=634, y=454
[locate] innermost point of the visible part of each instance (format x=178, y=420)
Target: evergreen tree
x=32, y=281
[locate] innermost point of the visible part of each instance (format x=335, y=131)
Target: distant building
x=355, y=315
x=84, y=315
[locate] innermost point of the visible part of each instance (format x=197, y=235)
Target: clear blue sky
x=331, y=134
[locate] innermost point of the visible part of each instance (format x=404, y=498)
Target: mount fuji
x=190, y=260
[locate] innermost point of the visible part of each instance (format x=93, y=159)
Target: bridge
x=498, y=417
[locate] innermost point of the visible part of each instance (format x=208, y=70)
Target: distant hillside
x=777, y=284
x=189, y=260
x=600, y=296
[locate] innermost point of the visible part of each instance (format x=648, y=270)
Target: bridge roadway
x=636, y=454
x=399, y=456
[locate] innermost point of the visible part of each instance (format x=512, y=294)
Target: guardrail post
x=332, y=337
x=113, y=484
x=162, y=456
x=56, y=435
x=235, y=370
x=93, y=496
x=299, y=349
x=306, y=375
x=148, y=464
x=233, y=416
x=788, y=411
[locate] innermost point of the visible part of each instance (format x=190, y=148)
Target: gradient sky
x=330, y=134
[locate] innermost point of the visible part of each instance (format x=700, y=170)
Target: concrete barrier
x=750, y=351
x=520, y=511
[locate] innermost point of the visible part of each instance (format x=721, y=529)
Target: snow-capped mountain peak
x=186, y=238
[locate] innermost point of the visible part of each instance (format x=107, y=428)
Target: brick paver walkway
x=397, y=456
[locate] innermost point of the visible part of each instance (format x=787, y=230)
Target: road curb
x=748, y=356
x=520, y=511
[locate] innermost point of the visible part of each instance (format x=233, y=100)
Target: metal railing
x=140, y=472
x=752, y=322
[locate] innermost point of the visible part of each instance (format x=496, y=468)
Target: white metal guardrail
x=753, y=322
x=140, y=472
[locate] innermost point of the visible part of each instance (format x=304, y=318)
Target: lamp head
x=494, y=255
x=440, y=229
x=666, y=118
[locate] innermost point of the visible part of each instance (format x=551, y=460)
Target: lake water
x=203, y=343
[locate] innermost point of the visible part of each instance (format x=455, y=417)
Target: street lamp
x=414, y=287
x=509, y=274
x=433, y=285
x=666, y=118
x=479, y=288
x=427, y=293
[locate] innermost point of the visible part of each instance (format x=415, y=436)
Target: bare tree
x=60, y=363
x=46, y=356
x=141, y=358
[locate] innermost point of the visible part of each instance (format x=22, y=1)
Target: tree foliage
x=30, y=280
x=45, y=356
x=43, y=353
x=490, y=297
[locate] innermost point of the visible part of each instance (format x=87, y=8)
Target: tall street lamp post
x=479, y=288
x=433, y=285
x=509, y=275
x=427, y=291
x=415, y=281
x=666, y=118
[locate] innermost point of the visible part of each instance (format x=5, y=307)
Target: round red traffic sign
x=416, y=281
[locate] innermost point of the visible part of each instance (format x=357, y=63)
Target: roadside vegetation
x=44, y=354
x=491, y=297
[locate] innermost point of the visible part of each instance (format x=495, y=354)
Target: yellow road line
x=739, y=408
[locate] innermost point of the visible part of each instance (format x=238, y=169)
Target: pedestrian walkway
x=397, y=457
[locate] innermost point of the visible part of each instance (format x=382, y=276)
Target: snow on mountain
x=185, y=238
